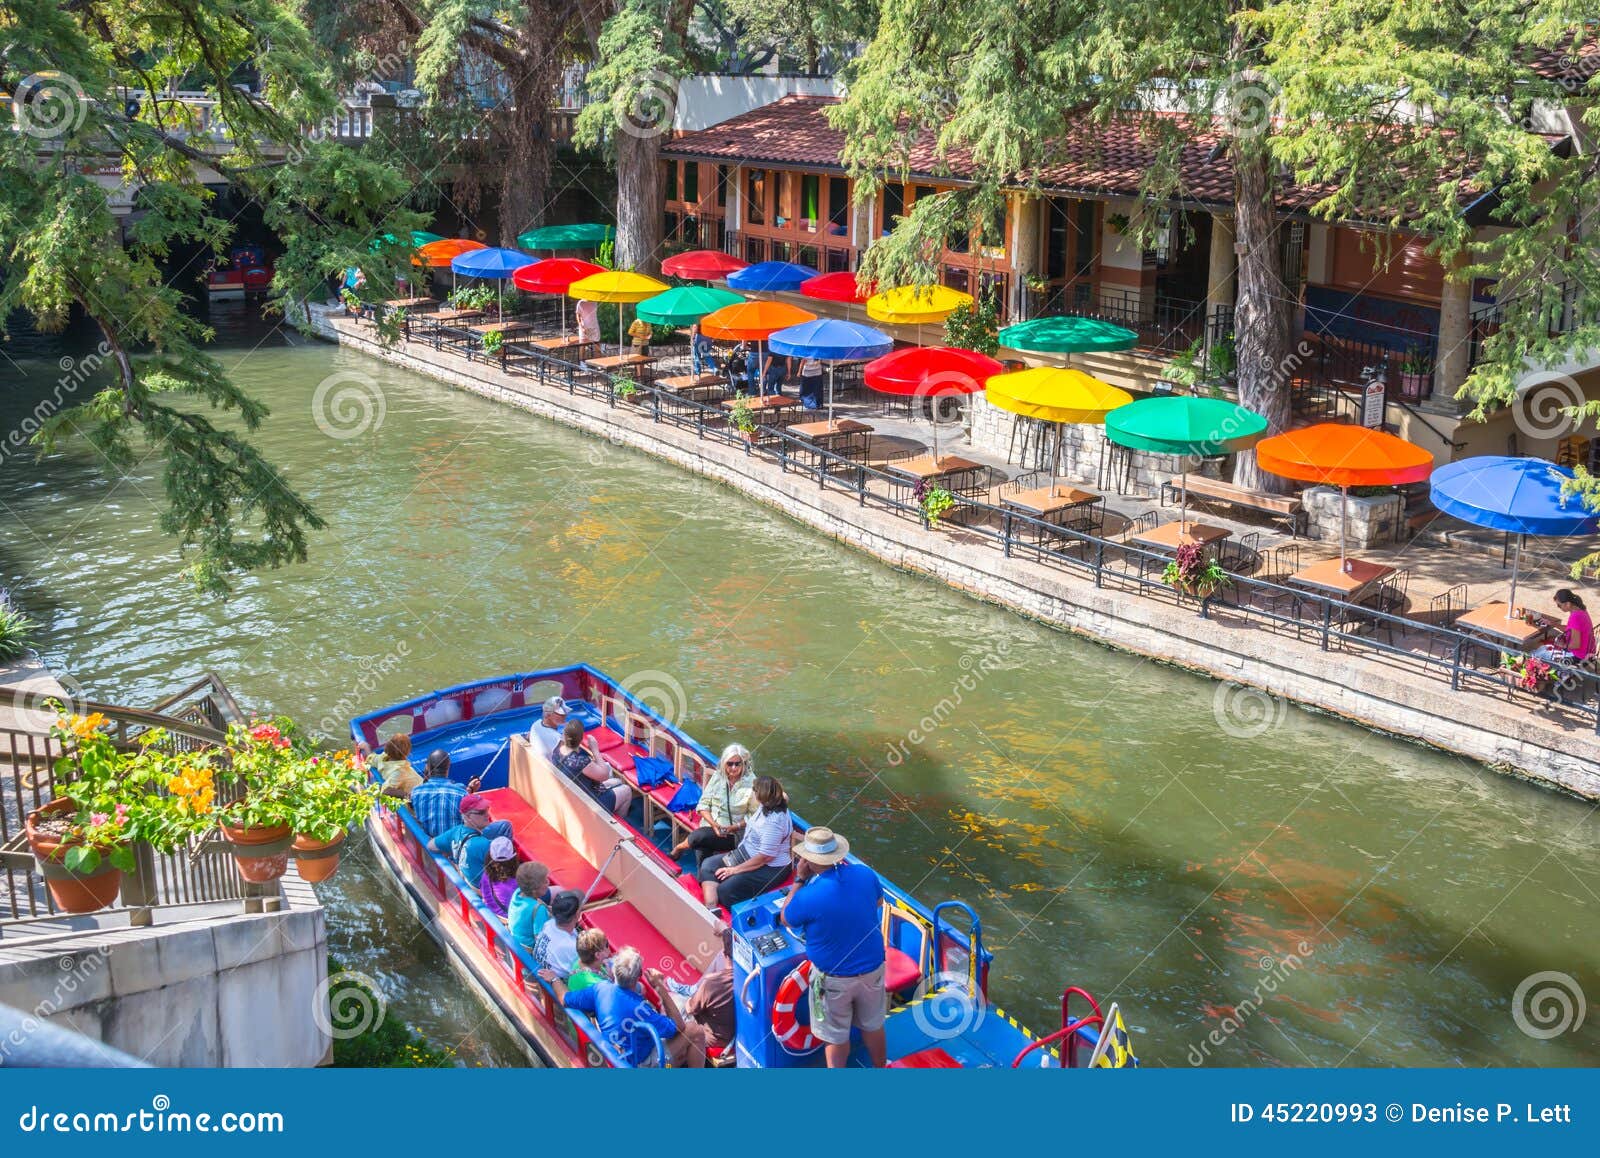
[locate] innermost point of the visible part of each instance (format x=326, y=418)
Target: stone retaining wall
x=1507, y=736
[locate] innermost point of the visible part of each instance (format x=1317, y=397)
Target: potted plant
x=81, y=840
x=627, y=389
x=1118, y=223
x=1526, y=672
x=933, y=501
x=352, y=303
x=1415, y=374
x=493, y=342
x=1195, y=572
x=332, y=793
x=742, y=417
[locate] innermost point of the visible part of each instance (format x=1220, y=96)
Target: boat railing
x=1433, y=651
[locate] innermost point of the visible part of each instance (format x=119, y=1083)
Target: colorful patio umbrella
x=554, y=275
x=752, y=321
x=914, y=305
x=770, y=277
x=931, y=372
x=1339, y=454
x=493, y=264
x=1058, y=395
x=830, y=340
x=584, y=236
x=702, y=265
x=834, y=287
x=619, y=286
x=1521, y=496
x=419, y=238
x=685, y=304
x=437, y=254
x=1067, y=335
x=1185, y=426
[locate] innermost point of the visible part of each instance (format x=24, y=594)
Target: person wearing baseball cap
x=468, y=842
x=499, y=880
x=555, y=949
x=836, y=903
x=546, y=734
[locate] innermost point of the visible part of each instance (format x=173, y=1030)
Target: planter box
x=1373, y=519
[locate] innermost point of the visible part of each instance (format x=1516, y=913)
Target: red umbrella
x=835, y=287
x=554, y=275
x=931, y=372
x=702, y=265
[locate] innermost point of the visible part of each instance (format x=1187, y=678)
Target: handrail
x=125, y=716
x=1067, y=1033
x=211, y=684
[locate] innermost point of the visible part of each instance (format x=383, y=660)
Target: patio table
x=1170, y=536
x=1346, y=583
x=1490, y=622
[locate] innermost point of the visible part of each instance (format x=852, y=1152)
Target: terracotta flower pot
x=321, y=866
x=261, y=854
x=72, y=892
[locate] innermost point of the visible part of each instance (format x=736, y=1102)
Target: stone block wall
x=1372, y=519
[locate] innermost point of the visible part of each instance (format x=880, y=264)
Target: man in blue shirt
x=621, y=1011
x=837, y=906
x=436, y=802
x=468, y=842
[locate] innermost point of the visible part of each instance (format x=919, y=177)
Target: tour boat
x=937, y=968
x=248, y=273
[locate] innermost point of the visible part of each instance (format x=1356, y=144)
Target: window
x=838, y=207
x=956, y=278
x=755, y=199
x=992, y=233
x=1058, y=221
x=780, y=251
x=783, y=211
x=807, y=256
x=838, y=261
x=691, y=181
x=722, y=186
x=755, y=250
x=810, y=201
x=670, y=179
x=894, y=205
x=669, y=227
x=1085, y=240
x=920, y=191
x=691, y=230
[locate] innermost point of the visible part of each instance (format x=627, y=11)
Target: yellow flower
x=85, y=727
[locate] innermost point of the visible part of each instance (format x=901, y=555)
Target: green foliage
x=741, y=415
x=935, y=502
x=16, y=630
x=976, y=327
x=474, y=297
x=384, y=1043
x=493, y=342
x=639, y=59
x=624, y=387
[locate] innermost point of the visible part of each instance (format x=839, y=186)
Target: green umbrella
x=684, y=305
x=419, y=238
x=1067, y=335
x=584, y=236
x=1183, y=426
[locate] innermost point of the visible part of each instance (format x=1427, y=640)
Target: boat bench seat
x=537, y=840
x=625, y=925
x=900, y=970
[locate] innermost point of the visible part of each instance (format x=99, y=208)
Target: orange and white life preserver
x=793, y=1035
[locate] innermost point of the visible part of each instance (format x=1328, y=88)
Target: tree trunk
x=638, y=201
x=1264, y=314
x=525, y=139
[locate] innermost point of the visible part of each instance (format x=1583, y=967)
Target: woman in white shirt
x=762, y=861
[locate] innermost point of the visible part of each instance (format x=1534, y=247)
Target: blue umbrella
x=829, y=340
x=770, y=276
x=497, y=264
x=1521, y=496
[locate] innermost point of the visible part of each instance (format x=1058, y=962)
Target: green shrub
x=16, y=630
x=387, y=1043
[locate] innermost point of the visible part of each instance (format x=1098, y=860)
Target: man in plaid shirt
x=436, y=802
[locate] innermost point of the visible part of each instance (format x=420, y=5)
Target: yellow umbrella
x=1055, y=394
x=618, y=286
x=913, y=305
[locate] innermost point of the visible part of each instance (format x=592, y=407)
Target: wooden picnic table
x=824, y=431
x=408, y=303
x=1347, y=583
x=511, y=327
x=564, y=342
x=1491, y=621
x=1043, y=502
x=621, y=362
x=444, y=317
x=684, y=382
x=1171, y=536
x=924, y=467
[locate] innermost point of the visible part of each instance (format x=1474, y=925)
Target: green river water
x=1256, y=885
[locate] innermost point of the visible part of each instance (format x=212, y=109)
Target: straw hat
x=823, y=846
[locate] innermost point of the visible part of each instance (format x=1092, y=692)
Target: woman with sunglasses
x=727, y=800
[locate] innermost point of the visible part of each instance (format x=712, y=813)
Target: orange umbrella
x=752, y=321
x=441, y=253
x=1342, y=455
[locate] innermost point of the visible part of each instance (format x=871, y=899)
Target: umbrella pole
x=830, y=392
x=563, y=317
x=1183, y=508
x=1344, y=519
x=1516, y=566
x=619, y=329
x=1055, y=463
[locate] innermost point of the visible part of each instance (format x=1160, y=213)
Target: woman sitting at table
x=726, y=801
x=1574, y=642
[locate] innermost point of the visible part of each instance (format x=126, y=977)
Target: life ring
x=792, y=1034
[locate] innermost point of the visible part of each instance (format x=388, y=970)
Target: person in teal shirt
x=528, y=909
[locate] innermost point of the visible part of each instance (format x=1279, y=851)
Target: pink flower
x=122, y=813
x=98, y=818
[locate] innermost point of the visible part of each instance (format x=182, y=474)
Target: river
x=1253, y=883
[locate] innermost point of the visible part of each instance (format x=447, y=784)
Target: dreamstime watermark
x=1275, y=972
x=75, y=971
x=949, y=1007
x=347, y=404
x=1248, y=102
x=48, y=104
x=1547, y=408
x=647, y=104
x=74, y=373
x=658, y=691
x=1548, y=1004
x=975, y=668
x=372, y=672
x=347, y=1004
x=160, y=1118
x=38, y=706
x=1244, y=712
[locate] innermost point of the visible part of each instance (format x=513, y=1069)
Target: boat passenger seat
x=900, y=970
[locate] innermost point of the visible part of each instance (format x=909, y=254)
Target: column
x=861, y=215
x=1455, y=338
x=1024, y=248
x=1222, y=270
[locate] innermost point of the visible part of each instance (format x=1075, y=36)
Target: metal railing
x=1435, y=652
x=194, y=719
